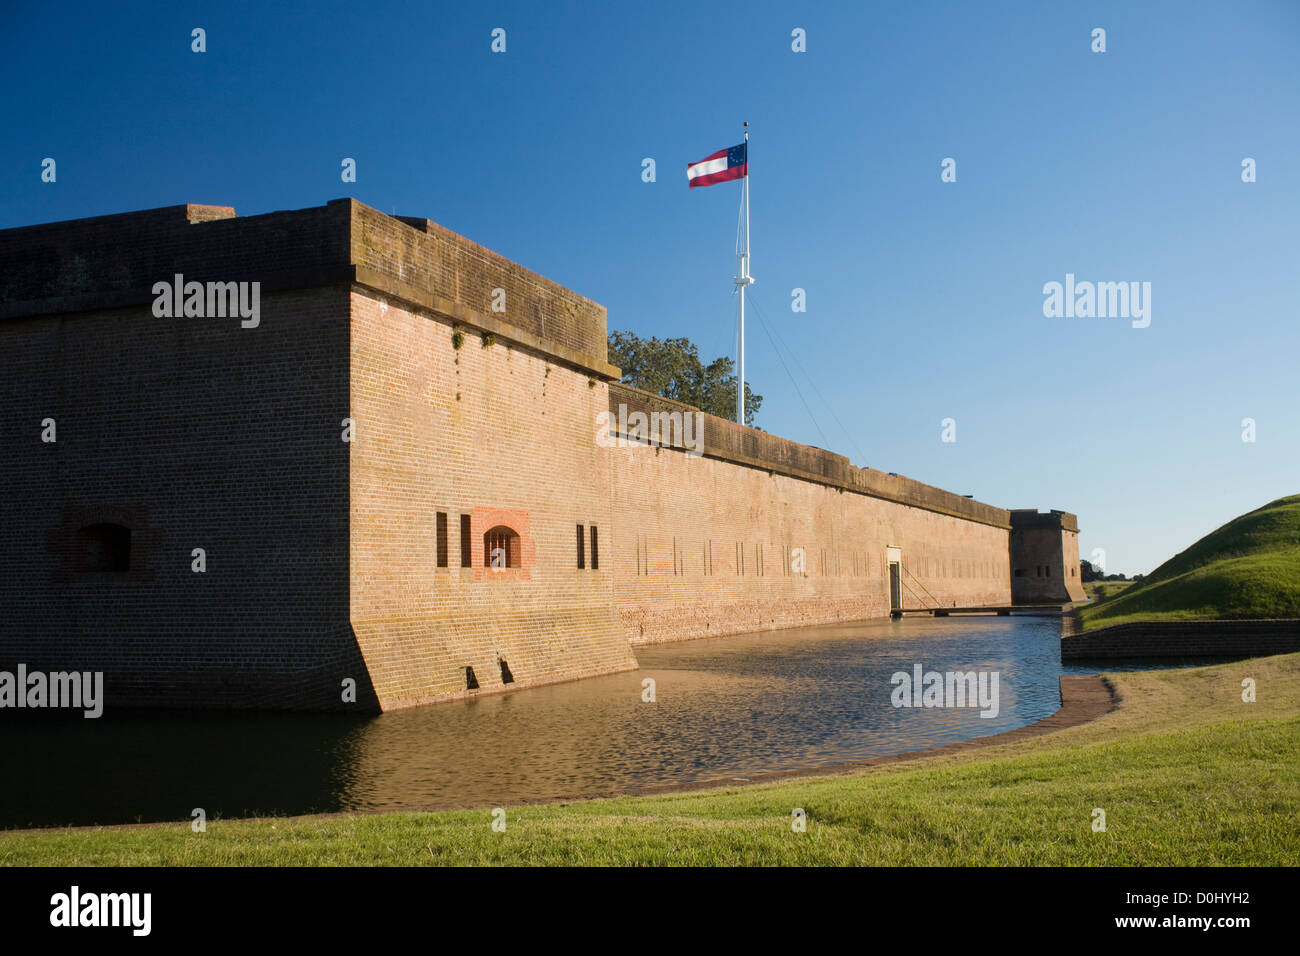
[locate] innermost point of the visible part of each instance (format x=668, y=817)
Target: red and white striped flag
x=723, y=166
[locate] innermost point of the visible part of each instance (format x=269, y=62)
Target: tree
x=672, y=368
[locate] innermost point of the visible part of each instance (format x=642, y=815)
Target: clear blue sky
x=924, y=298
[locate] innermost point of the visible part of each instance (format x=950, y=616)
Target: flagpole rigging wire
x=811, y=381
x=816, y=424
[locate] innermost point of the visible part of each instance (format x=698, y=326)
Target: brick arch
x=67, y=541
x=505, y=539
x=103, y=546
x=484, y=520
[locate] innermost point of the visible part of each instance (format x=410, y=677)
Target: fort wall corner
x=1045, y=557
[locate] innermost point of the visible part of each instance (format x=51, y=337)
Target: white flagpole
x=742, y=280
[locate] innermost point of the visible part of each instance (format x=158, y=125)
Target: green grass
x=1097, y=590
x=1249, y=568
x=1187, y=773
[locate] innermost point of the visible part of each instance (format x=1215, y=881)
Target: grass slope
x=1187, y=773
x=1249, y=568
x=1096, y=590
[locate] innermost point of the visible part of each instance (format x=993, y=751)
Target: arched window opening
x=104, y=547
x=500, y=548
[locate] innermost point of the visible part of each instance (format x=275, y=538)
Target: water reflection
x=728, y=707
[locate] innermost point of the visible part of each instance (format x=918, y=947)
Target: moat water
x=725, y=708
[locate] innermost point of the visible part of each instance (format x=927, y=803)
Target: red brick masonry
x=1183, y=639
x=474, y=387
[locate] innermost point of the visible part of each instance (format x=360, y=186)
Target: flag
x=723, y=166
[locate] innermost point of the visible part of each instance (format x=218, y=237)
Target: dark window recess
x=1020, y=572
x=442, y=539
x=471, y=682
x=104, y=547
x=501, y=548
x=506, y=676
x=595, y=551
x=465, y=559
x=1047, y=570
x=582, y=540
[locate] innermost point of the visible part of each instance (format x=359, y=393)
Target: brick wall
x=115, y=260
x=733, y=442
x=504, y=436
x=1045, y=558
x=705, y=544
x=194, y=433
x=703, y=547
x=422, y=254
x=324, y=555
x=1182, y=639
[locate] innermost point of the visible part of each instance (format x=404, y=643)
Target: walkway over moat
x=1003, y=610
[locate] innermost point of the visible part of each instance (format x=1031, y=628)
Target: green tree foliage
x=1090, y=572
x=672, y=368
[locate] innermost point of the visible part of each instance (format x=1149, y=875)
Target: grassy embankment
x=1097, y=590
x=1249, y=568
x=1186, y=772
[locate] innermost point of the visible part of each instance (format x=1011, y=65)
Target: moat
x=725, y=708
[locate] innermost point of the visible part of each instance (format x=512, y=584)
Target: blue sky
x=924, y=298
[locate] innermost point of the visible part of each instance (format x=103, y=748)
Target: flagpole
x=743, y=280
